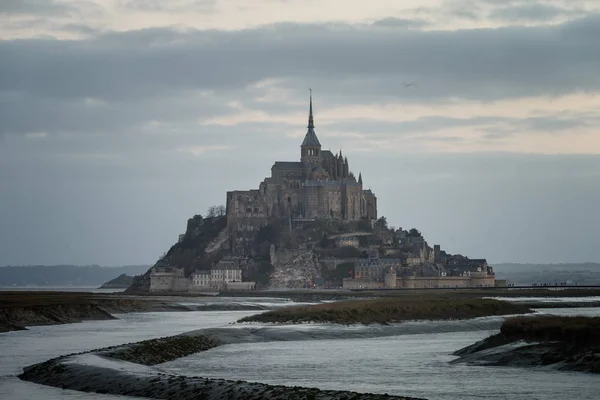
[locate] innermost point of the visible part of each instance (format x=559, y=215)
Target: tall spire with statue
x=310, y=150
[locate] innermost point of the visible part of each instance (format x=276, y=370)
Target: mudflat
x=564, y=343
x=21, y=309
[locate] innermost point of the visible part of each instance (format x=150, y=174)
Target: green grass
x=389, y=310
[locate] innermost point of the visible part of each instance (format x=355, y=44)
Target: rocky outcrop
x=123, y=281
x=563, y=343
x=294, y=268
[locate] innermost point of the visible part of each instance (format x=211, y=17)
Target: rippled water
x=413, y=362
x=410, y=365
x=40, y=343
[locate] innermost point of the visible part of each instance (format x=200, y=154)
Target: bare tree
x=212, y=212
x=215, y=211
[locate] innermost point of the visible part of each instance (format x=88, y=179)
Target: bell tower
x=310, y=150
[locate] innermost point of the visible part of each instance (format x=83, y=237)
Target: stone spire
x=311, y=122
x=360, y=178
x=310, y=139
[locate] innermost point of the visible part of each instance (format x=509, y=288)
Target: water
x=40, y=343
x=414, y=363
x=411, y=365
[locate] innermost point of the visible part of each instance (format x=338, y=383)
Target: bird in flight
x=409, y=84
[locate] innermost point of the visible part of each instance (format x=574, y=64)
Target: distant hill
x=65, y=275
x=123, y=281
x=527, y=274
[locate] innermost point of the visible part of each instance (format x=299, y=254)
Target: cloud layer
x=136, y=110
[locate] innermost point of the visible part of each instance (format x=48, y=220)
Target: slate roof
x=310, y=139
x=226, y=265
x=288, y=165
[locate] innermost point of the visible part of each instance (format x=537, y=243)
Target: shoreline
x=19, y=309
x=127, y=370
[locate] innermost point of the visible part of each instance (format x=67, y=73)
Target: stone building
x=320, y=185
x=225, y=275
x=201, y=279
x=386, y=274
x=224, y=272
x=168, y=279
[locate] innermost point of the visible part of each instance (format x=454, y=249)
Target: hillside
x=192, y=252
x=122, y=281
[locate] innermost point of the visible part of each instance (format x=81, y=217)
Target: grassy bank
x=21, y=309
x=567, y=343
x=389, y=310
x=315, y=295
x=576, y=331
x=157, y=351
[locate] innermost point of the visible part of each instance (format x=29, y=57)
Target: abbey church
x=318, y=186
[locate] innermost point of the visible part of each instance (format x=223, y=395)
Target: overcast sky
x=475, y=121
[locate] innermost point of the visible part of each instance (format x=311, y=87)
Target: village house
x=225, y=275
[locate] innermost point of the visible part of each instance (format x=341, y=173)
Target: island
x=312, y=223
x=122, y=281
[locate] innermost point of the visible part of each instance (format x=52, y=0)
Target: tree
x=215, y=211
x=414, y=233
x=382, y=223
x=212, y=212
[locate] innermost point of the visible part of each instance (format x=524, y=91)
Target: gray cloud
x=171, y=5
x=407, y=23
x=119, y=148
x=531, y=12
x=117, y=82
x=45, y=7
x=476, y=64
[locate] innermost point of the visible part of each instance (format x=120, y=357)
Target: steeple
x=310, y=139
x=311, y=122
x=310, y=150
x=360, y=178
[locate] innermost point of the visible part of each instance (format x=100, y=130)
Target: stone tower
x=310, y=150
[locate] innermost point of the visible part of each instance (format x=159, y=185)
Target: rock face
x=563, y=343
x=294, y=268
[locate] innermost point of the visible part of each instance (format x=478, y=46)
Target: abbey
x=320, y=185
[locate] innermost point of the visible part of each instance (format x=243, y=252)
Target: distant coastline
x=63, y=276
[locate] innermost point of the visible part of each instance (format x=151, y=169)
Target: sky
x=475, y=121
